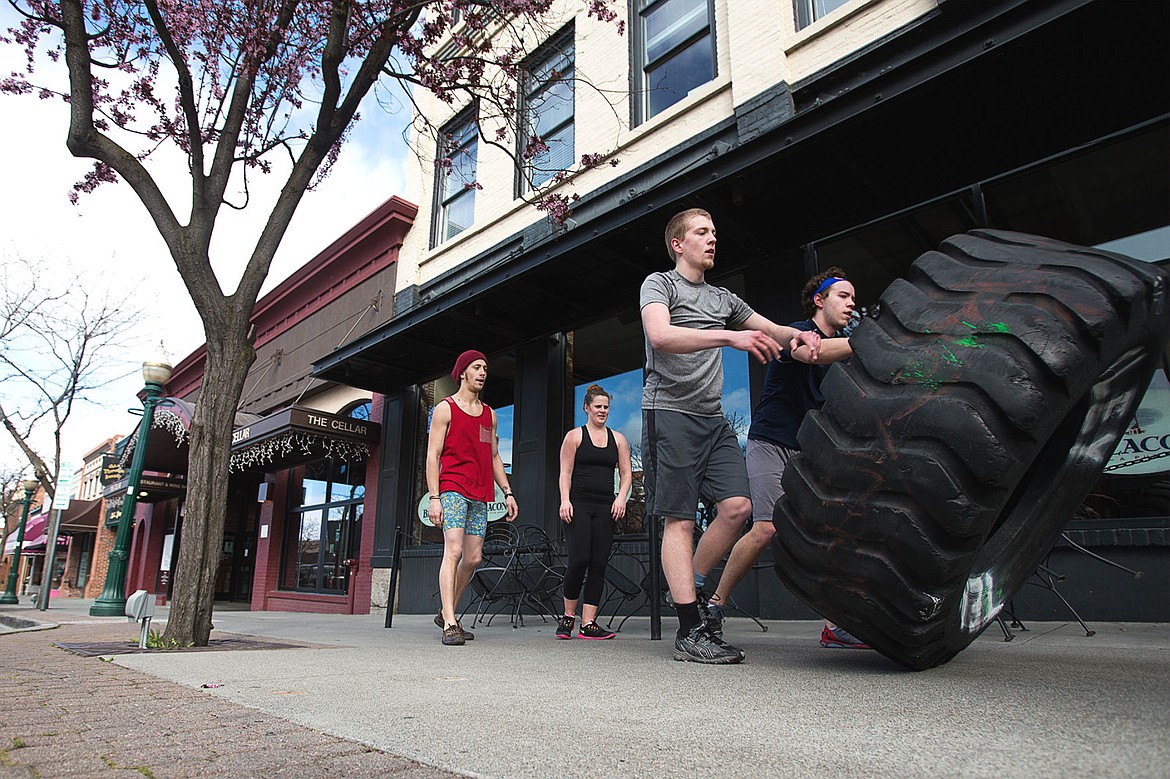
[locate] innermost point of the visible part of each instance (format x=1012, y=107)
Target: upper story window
x=361, y=410
x=676, y=49
x=546, y=134
x=808, y=11
x=455, y=183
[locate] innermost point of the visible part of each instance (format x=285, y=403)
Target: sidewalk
x=517, y=703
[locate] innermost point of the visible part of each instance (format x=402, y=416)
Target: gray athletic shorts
x=685, y=457
x=765, y=465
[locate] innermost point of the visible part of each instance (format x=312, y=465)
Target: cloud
x=109, y=231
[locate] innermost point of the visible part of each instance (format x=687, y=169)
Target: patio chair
x=1045, y=578
x=496, y=584
x=623, y=584
x=541, y=571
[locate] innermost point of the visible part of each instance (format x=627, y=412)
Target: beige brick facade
x=758, y=48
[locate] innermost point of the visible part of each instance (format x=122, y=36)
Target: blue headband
x=826, y=284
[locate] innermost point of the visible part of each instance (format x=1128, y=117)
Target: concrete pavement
x=518, y=703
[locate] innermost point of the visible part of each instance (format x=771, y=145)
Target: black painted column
x=397, y=472
x=538, y=430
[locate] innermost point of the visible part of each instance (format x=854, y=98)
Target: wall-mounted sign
x=294, y=435
x=496, y=510
x=111, y=470
x=1145, y=447
x=151, y=488
x=113, y=513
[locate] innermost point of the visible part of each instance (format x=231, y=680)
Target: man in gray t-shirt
x=688, y=450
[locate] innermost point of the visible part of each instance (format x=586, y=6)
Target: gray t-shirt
x=691, y=383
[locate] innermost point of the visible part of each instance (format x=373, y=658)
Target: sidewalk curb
x=11, y=624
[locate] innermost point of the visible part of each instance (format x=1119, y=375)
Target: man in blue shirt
x=792, y=388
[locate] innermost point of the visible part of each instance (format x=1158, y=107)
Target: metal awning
x=968, y=92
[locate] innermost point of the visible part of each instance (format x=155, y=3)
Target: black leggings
x=588, y=539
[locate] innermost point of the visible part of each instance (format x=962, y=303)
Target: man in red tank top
x=462, y=463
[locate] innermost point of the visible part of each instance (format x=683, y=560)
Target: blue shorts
x=464, y=514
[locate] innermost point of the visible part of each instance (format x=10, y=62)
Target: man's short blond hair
x=677, y=227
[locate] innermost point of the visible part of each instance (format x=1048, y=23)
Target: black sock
x=688, y=617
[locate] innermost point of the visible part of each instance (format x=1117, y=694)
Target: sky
x=109, y=239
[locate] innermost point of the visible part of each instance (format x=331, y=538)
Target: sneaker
x=699, y=646
x=452, y=636
x=704, y=600
x=565, y=626
x=467, y=634
x=840, y=638
x=714, y=619
x=595, y=632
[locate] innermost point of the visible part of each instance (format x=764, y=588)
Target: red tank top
x=465, y=466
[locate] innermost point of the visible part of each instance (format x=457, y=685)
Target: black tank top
x=593, y=469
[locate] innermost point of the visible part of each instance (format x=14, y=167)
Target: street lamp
x=112, y=602
x=29, y=486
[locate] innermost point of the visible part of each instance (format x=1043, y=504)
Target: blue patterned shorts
x=470, y=516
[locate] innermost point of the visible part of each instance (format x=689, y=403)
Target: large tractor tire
x=977, y=411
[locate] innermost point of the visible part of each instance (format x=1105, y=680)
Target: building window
x=676, y=48
x=361, y=411
x=808, y=11
x=455, y=183
x=324, y=525
x=545, y=140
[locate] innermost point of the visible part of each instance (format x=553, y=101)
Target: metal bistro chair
x=495, y=585
x=539, y=570
x=1047, y=579
x=624, y=577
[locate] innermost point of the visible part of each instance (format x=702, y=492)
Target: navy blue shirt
x=791, y=389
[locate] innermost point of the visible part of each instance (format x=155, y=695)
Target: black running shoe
x=565, y=626
x=704, y=609
x=699, y=646
x=714, y=619
x=595, y=632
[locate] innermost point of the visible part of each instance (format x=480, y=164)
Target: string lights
x=164, y=419
x=307, y=444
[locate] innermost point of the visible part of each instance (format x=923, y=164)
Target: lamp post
x=29, y=486
x=112, y=601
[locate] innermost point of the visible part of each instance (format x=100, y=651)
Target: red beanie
x=465, y=359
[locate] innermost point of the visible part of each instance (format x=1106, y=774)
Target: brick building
x=304, y=449
x=858, y=133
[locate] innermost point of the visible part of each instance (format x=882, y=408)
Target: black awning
x=168, y=444
x=296, y=435
x=968, y=92
x=82, y=515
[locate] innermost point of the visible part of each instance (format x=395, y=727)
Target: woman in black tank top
x=589, y=509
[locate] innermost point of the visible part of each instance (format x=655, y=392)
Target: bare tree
x=236, y=85
x=60, y=340
x=11, y=497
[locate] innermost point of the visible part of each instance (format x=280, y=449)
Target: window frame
x=352, y=510
x=804, y=12
x=642, y=70
x=556, y=46
x=464, y=121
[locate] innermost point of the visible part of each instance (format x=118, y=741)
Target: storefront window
x=324, y=530
x=1136, y=482
x=1102, y=193
x=422, y=530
